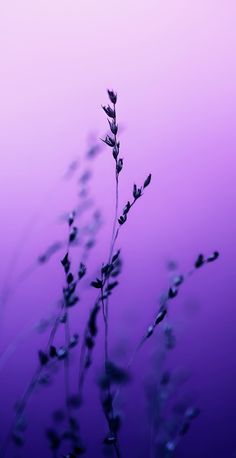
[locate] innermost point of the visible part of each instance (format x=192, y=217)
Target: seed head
x=109, y=141
x=119, y=165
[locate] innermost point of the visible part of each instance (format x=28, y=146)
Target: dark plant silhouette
x=66, y=441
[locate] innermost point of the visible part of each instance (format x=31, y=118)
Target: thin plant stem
x=105, y=304
x=66, y=370
x=113, y=240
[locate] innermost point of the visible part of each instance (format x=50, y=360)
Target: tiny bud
x=200, y=261
x=97, y=283
x=116, y=150
x=109, y=141
x=109, y=111
x=149, y=331
x=74, y=340
x=61, y=353
x=119, y=165
x=147, y=181
x=161, y=315
x=137, y=192
x=172, y=293
x=113, y=127
x=73, y=234
x=82, y=270
x=71, y=218
x=112, y=96
x=116, y=256
x=63, y=318
x=122, y=219
x=213, y=256
x=66, y=263
x=126, y=208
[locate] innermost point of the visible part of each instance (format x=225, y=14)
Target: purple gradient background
x=173, y=65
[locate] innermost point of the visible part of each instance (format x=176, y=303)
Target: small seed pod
x=137, y=192
x=199, y=261
x=213, y=256
x=109, y=111
x=113, y=126
x=109, y=141
x=119, y=165
x=122, y=219
x=116, y=150
x=147, y=181
x=112, y=96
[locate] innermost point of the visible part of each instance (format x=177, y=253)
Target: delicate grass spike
x=137, y=193
x=171, y=294
x=104, y=283
x=165, y=404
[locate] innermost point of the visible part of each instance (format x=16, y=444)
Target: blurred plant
x=86, y=240
x=171, y=294
x=11, y=285
x=170, y=414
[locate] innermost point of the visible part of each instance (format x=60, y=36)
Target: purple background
x=173, y=66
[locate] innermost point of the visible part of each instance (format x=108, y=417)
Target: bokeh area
x=173, y=66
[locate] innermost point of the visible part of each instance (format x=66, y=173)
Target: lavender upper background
x=174, y=69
